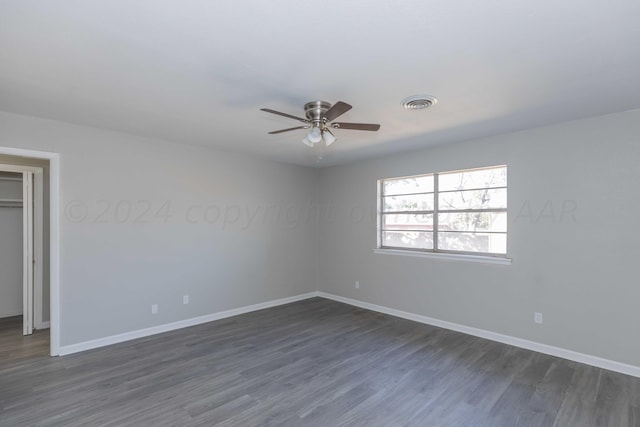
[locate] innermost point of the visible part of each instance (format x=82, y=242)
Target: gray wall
x=115, y=263
x=10, y=250
x=579, y=269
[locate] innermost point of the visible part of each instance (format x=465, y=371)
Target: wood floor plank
x=311, y=363
x=17, y=349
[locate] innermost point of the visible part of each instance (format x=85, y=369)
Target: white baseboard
x=11, y=313
x=43, y=325
x=114, y=339
x=493, y=336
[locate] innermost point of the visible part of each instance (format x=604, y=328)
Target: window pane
x=407, y=239
x=481, y=178
x=473, y=199
x=415, y=202
x=418, y=184
x=476, y=221
x=473, y=242
x=407, y=222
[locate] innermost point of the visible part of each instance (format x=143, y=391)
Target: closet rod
x=10, y=178
x=10, y=203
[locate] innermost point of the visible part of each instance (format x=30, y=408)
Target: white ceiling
x=199, y=71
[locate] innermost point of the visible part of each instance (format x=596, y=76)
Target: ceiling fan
x=320, y=116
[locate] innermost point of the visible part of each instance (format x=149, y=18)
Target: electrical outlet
x=154, y=308
x=185, y=299
x=357, y=285
x=537, y=317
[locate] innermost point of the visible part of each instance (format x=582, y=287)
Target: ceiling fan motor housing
x=314, y=111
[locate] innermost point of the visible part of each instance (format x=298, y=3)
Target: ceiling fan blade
x=268, y=110
x=356, y=126
x=338, y=109
x=287, y=130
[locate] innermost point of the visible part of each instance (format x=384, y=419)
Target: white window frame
x=436, y=252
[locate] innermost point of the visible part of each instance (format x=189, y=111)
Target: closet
x=11, y=244
x=21, y=244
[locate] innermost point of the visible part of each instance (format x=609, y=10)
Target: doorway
x=21, y=258
x=51, y=162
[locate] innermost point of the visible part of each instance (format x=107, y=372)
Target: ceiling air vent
x=419, y=102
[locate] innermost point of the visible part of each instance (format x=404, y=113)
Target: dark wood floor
x=313, y=363
x=16, y=348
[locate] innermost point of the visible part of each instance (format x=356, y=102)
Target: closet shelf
x=10, y=203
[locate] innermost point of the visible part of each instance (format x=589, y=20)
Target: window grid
x=435, y=223
x=436, y=207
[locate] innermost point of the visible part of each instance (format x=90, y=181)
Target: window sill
x=445, y=256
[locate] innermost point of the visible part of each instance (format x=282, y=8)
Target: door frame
x=54, y=237
x=33, y=240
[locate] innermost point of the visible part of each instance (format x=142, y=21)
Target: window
x=452, y=212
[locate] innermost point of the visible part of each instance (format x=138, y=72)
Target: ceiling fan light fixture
x=315, y=135
x=306, y=142
x=328, y=137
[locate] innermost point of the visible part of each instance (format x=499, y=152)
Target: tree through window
x=459, y=211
